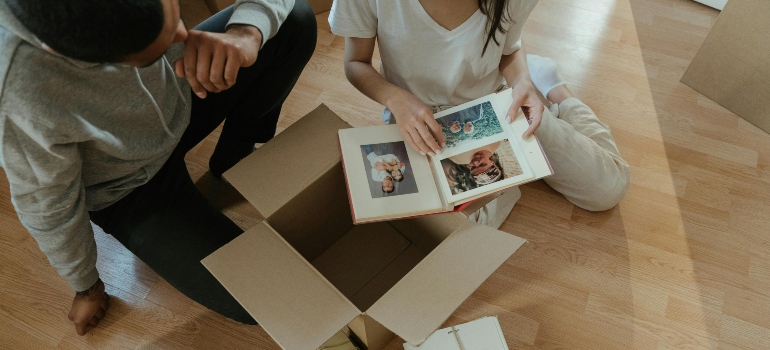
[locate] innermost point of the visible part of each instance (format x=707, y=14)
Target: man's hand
x=211, y=60
x=416, y=123
x=89, y=307
x=525, y=97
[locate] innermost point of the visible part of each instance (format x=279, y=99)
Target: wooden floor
x=682, y=262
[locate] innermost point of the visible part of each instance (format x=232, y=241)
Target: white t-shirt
x=440, y=67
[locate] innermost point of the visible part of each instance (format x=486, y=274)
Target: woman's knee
x=608, y=196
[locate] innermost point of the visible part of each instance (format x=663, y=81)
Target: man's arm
x=265, y=15
x=211, y=60
x=49, y=199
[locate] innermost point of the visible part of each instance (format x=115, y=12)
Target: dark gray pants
x=168, y=223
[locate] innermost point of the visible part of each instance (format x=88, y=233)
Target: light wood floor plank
x=682, y=262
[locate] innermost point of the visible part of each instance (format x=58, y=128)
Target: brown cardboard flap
x=418, y=304
x=288, y=297
x=280, y=169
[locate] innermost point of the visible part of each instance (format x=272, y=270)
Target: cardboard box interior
x=340, y=341
x=404, y=276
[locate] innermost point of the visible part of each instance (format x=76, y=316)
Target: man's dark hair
x=99, y=31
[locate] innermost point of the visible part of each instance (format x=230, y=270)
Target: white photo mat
x=366, y=208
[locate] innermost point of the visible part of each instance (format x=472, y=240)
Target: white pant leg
x=588, y=168
x=497, y=210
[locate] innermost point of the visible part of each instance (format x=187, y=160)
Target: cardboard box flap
x=280, y=169
x=418, y=304
x=297, y=306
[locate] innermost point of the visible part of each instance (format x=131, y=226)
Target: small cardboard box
x=732, y=66
x=306, y=271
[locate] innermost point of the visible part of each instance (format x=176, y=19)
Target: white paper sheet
x=481, y=334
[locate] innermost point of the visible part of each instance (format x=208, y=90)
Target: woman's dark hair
x=497, y=14
x=99, y=31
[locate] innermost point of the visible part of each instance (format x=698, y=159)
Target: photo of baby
x=480, y=167
x=472, y=123
x=388, y=169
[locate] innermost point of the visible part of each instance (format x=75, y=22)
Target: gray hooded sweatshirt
x=77, y=137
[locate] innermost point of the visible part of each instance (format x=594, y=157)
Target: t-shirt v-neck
x=441, y=30
x=441, y=67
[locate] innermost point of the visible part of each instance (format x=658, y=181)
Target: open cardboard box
x=306, y=272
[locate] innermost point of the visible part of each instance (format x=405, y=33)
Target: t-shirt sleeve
x=354, y=18
x=519, y=11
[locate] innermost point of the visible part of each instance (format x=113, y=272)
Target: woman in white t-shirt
x=439, y=53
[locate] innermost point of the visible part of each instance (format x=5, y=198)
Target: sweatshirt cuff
x=86, y=281
x=254, y=15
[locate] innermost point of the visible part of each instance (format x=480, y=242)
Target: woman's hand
x=416, y=123
x=525, y=97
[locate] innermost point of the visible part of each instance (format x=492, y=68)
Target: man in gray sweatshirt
x=99, y=103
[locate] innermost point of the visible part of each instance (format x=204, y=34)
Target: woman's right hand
x=416, y=123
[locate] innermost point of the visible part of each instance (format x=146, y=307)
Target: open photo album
x=387, y=179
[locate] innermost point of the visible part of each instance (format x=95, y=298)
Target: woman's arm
x=514, y=69
x=414, y=118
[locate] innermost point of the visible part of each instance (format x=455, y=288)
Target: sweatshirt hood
x=12, y=24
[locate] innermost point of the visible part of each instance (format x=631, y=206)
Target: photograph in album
x=472, y=123
x=480, y=167
x=389, y=170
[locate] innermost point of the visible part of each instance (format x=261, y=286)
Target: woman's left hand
x=525, y=97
